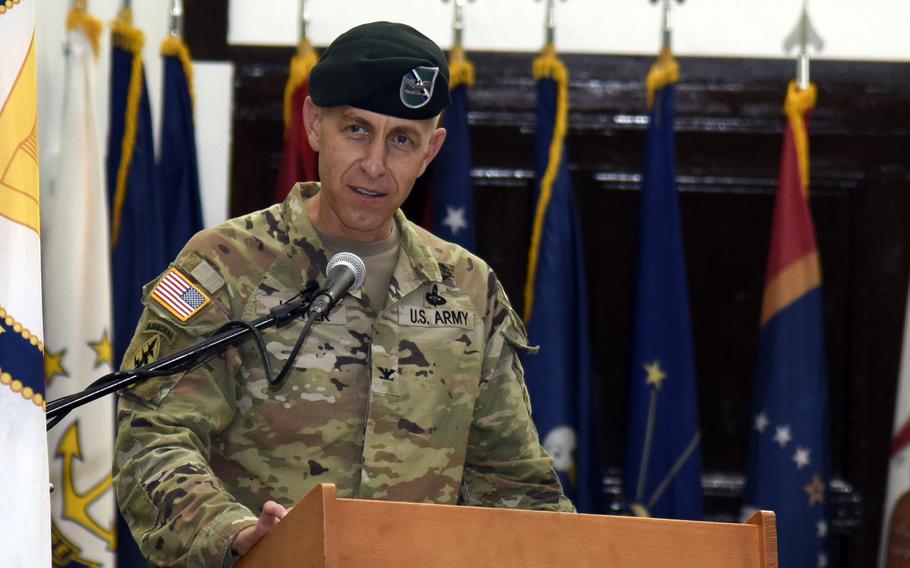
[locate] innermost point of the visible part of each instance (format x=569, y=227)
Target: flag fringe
x=664, y=72
x=461, y=71
x=301, y=65
x=797, y=104
x=91, y=27
x=130, y=39
x=547, y=66
x=174, y=46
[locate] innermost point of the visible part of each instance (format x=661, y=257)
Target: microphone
x=345, y=271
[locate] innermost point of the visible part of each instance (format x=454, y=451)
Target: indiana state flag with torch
x=556, y=303
x=663, y=457
x=451, y=188
x=788, y=458
x=25, y=510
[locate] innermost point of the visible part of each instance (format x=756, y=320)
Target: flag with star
x=77, y=312
x=25, y=511
x=663, y=456
x=556, y=306
x=178, y=174
x=787, y=468
x=298, y=160
x=451, y=191
x=137, y=239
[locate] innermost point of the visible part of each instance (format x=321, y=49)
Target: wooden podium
x=323, y=531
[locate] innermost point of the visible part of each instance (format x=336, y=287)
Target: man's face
x=368, y=163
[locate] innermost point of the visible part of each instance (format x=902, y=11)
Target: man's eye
x=355, y=129
x=401, y=140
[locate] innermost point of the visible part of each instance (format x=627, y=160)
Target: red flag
x=298, y=160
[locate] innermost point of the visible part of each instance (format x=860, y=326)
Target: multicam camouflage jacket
x=423, y=401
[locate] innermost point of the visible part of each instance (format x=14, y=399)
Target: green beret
x=383, y=67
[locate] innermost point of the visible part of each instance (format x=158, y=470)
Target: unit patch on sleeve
x=178, y=295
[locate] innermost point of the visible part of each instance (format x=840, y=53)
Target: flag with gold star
x=788, y=455
x=25, y=528
x=77, y=312
x=663, y=457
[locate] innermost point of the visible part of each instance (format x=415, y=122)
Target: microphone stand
x=179, y=360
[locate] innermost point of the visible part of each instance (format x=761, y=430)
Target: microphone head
x=353, y=262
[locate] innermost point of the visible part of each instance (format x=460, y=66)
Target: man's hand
x=271, y=515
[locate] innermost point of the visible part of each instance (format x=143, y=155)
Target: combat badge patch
x=178, y=295
x=147, y=353
x=417, y=86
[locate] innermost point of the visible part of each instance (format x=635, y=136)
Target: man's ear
x=436, y=140
x=312, y=122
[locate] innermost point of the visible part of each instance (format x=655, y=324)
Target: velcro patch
x=178, y=295
x=417, y=316
x=208, y=277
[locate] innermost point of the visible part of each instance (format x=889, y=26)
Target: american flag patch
x=178, y=295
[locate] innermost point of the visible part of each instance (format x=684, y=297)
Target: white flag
x=25, y=528
x=897, y=497
x=77, y=314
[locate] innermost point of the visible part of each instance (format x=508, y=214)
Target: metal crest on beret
x=417, y=86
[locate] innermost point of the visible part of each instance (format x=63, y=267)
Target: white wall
x=212, y=84
x=871, y=29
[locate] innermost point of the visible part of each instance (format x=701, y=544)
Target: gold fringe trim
x=665, y=71
x=79, y=19
x=301, y=65
x=8, y=5
x=174, y=46
x=798, y=103
x=131, y=39
x=547, y=66
x=461, y=71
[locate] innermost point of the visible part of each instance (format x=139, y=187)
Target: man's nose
x=373, y=162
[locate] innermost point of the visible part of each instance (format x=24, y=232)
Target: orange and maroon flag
x=298, y=160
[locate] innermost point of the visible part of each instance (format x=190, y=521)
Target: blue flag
x=556, y=307
x=137, y=232
x=178, y=175
x=137, y=235
x=663, y=459
x=788, y=451
x=451, y=188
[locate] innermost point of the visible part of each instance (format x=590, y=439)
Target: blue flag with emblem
x=137, y=231
x=178, y=174
x=787, y=469
x=556, y=306
x=663, y=459
x=451, y=188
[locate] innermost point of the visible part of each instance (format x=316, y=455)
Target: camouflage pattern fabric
x=424, y=401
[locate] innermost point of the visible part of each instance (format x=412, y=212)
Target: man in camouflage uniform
x=410, y=390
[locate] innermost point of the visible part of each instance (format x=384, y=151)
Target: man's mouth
x=366, y=192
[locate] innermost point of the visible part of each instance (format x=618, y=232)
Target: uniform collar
x=416, y=266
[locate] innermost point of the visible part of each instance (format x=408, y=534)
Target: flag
x=298, y=160
x=178, y=174
x=897, y=497
x=77, y=308
x=787, y=469
x=451, y=189
x=137, y=220
x=556, y=307
x=137, y=235
x=663, y=456
x=25, y=528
